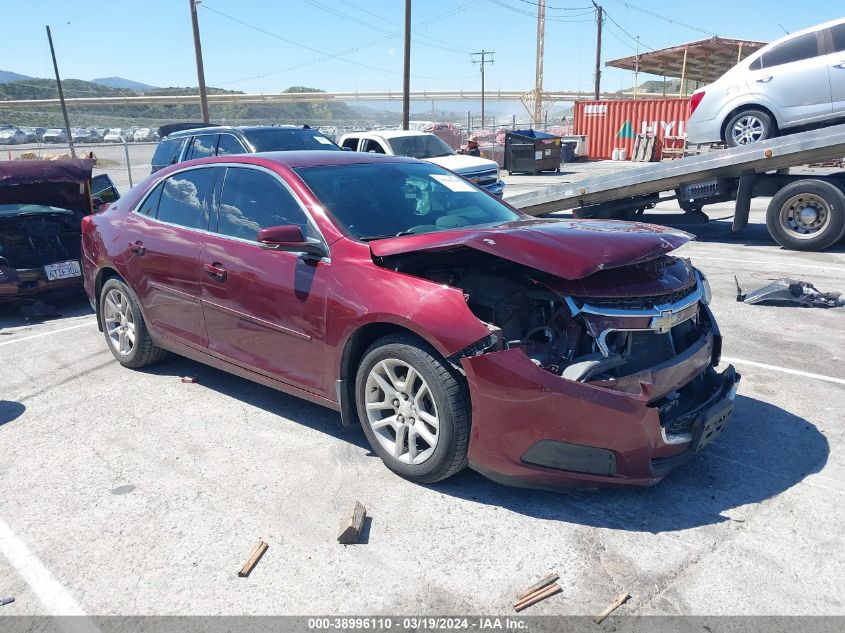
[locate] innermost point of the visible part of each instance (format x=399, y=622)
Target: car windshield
x=422, y=146
x=377, y=200
x=286, y=139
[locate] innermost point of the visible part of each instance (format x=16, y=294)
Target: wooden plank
x=537, y=596
x=538, y=585
x=257, y=553
x=353, y=523
x=620, y=599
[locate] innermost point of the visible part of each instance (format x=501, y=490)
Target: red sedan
x=454, y=329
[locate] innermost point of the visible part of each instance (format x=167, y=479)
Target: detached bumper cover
x=577, y=434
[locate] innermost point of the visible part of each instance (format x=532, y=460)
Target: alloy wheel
x=119, y=322
x=401, y=411
x=748, y=129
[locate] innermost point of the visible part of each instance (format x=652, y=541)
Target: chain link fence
x=125, y=163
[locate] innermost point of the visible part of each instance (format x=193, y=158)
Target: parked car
x=54, y=135
x=13, y=136
x=115, y=135
x=394, y=291
x=793, y=83
x=145, y=134
x=217, y=141
x=42, y=204
x=429, y=147
x=85, y=135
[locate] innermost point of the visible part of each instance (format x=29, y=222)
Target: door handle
x=216, y=271
x=764, y=80
x=839, y=65
x=138, y=247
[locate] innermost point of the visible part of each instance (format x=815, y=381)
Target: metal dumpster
x=530, y=151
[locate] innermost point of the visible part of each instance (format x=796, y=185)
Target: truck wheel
x=413, y=408
x=808, y=215
x=748, y=126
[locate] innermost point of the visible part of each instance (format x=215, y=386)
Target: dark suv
x=201, y=142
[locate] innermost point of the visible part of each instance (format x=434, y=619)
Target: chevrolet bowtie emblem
x=665, y=322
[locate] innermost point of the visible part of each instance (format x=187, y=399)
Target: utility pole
x=599, y=21
x=198, y=52
x=538, y=81
x=406, y=71
x=481, y=62
x=61, y=94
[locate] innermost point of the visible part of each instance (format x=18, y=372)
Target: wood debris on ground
x=541, y=590
x=190, y=380
x=620, y=600
x=353, y=523
x=5, y=601
x=257, y=553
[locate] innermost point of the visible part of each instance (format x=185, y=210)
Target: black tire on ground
x=765, y=122
x=144, y=352
x=449, y=394
x=783, y=224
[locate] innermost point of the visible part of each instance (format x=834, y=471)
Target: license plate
x=62, y=270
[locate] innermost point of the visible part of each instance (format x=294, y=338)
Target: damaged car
x=454, y=329
x=42, y=203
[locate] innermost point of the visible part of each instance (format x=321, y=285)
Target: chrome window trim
x=297, y=199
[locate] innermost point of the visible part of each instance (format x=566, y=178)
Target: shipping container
x=613, y=125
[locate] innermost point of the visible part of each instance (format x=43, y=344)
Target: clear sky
x=341, y=45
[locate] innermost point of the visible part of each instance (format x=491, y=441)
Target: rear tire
x=808, y=215
x=124, y=327
x=418, y=426
x=748, y=126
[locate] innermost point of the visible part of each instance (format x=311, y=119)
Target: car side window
x=351, y=143
x=371, y=145
x=203, y=146
x=838, y=32
x=252, y=200
x=151, y=203
x=229, y=144
x=167, y=152
x=184, y=198
x=802, y=47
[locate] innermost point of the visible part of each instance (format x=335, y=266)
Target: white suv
x=796, y=81
x=428, y=147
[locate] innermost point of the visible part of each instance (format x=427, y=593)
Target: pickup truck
x=428, y=147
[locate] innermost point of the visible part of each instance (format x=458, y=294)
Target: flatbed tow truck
x=807, y=212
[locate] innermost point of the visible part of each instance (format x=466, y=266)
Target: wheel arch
x=103, y=275
x=748, y=106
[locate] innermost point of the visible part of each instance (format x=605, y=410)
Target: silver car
x=796, y=81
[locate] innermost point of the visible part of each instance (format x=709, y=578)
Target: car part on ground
x=457, y=331
x=787, y=291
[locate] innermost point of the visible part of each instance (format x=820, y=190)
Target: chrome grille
x=638, y=303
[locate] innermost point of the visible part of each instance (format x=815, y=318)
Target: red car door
x=164, y=239
x=264, y=309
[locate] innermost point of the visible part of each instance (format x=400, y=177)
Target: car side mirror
x=346, y=149
x=289, y=237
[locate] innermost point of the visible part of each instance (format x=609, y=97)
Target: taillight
x=694, y=101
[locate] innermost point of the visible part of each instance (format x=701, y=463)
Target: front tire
x=749, y=126
x=414, y=409
x=808, y=215
x=124, y=327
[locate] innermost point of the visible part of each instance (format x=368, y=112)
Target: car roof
x=389, y=134
x=794, y=34
x=229, y=128
x=306, y=158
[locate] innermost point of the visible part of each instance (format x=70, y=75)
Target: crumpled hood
x=571, y=249
x=463, y=163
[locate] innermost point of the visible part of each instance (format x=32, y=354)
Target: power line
x=548, y=7
x=633, y=38
x=692, y=27
x=533, y=15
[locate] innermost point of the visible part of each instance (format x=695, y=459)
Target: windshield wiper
x=371, y=238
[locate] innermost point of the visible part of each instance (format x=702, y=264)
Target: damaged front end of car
x=601, y=380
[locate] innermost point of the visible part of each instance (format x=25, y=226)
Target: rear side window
x=184, y=198
x=372, y=146
x=803, y=47
x=151, y=203
x=351, y=143
x=253, y=200
x=167, y=153
x=203, y=146
x=228, y=144
x=838, y=38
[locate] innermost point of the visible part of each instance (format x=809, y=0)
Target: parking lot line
x=40, y=334
x=50, y=591
x=785, y=370
x=840, y=269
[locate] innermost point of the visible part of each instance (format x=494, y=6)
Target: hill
x=121, y=82
x=7, y=75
